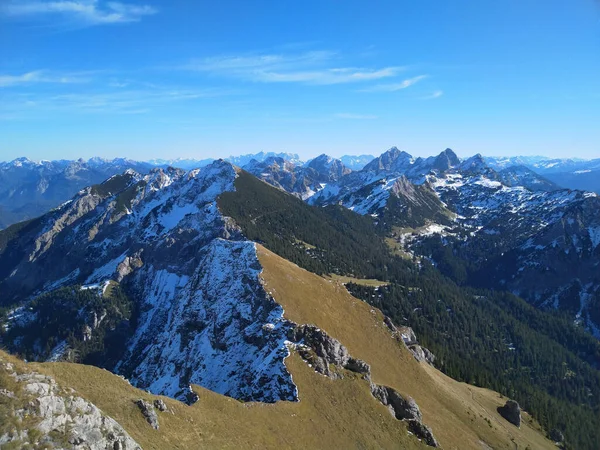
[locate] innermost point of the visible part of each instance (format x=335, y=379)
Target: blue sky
x=182, y=78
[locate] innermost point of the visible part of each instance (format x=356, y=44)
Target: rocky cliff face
x=203, y=316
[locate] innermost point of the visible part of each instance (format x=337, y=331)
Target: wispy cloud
x=88, y=12
x=42, y=76
x=130, y=101
x=350, y=116
x=309, y=68
x=433, y=95
x=393, y=87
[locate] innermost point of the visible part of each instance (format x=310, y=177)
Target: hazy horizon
x=242, y=153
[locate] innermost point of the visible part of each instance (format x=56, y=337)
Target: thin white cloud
x=434, y=95
x=89, y=12
x=41, y=76
x=350, y=116
x=133, y=101
x=393, y=87
x=307, y=68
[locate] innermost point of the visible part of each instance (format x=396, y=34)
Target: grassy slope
x=455, y=411
x=331, y=414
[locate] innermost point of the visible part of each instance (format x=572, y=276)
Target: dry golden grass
x=363, y=281
x=330, y=414
x=455, y=411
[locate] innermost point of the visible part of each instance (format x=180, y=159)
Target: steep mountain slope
x=503, y=225
x=388, y=188
x=29, y=189
x=538, y=244
x=584, y=179
x=338, y=412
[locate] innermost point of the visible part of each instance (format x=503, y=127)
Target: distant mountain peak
x=475, y=164
x=393, y=159
x=446, y=160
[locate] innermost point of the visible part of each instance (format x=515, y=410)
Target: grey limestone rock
x=148, y=412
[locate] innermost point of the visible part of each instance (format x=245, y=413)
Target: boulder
x=511, y=411
x=160, y=405
x=148, y=412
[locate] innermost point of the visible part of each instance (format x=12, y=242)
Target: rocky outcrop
x=328, y=356
x=511, y=411
x=55, y=416
x=423, y=432
x=322, y=351
x=422, y=354
x=148, y=412
x=402, y=408
x=405, y=409
x=160, y=405
x=407, y=336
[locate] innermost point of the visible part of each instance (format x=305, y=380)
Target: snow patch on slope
x=218, y=329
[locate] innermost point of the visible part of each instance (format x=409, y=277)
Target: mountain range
x=300, y=284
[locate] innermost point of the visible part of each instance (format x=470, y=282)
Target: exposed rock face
x=58, y=414
x=423, y=432
x=321, y=350
x=409, y=338
x=511, y=411
x=160, y=405
x=148, y=412
x=300, y=180
x=402, y=408
x=422, y=354
x=405, y=409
